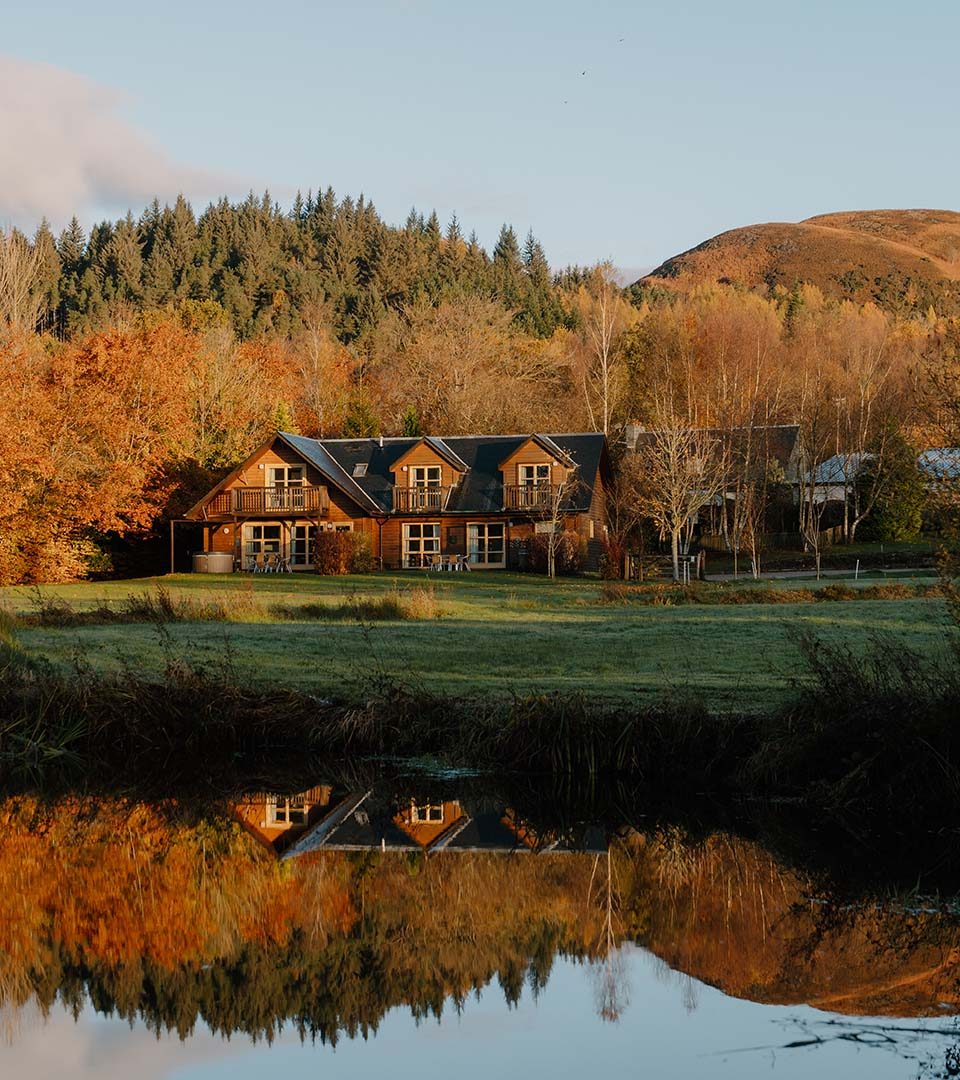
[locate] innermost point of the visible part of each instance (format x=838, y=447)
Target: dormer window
x=534, y=475
x=281, y=476
x=426, y=476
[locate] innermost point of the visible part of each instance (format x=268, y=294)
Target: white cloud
x=66, y=148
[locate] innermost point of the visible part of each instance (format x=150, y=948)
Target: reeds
x=670, y=595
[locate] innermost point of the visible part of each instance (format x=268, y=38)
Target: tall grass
x=670, y=595
x=160, y=606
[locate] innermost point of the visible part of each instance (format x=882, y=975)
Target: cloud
x=66, y=148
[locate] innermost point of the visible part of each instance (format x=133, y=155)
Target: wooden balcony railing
x=533, y=497
x=420, y=500
x=270, y=500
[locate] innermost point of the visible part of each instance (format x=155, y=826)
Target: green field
x=498, y=633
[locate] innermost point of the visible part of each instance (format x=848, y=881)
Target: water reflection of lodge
x=324, y=819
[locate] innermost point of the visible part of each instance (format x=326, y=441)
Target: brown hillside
x=901, y=259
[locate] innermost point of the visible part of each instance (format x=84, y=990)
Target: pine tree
x=283, y=419
x=360, y=421
x=507, y=269
x=410, y=425
x=71, y=246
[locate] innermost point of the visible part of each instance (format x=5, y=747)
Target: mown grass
x=499, y=635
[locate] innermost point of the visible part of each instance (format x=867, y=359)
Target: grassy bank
x=871, y=738
x=476, y=635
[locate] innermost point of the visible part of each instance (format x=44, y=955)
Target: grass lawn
x=499, y=633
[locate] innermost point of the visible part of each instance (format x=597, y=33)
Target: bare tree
x=20, y=263
x=624, y=505
x=605, y=314
x=556, y=507
x=683, y=472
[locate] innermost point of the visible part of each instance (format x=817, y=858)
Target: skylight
x=360, y=469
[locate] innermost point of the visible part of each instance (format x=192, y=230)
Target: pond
x=440, y=926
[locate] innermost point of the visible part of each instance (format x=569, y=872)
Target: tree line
x=143, y=361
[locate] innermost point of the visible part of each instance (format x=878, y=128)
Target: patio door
x=300, y=545
x=485, y=544
x=421, y=543
x=261, y=540
x=286, y=487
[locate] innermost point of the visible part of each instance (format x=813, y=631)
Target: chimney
x=631, y=434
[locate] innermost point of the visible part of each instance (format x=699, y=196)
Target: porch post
x=171, y=546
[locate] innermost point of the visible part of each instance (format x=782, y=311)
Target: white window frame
x=254, y=545
x=421, y=556
x=280, y=809
x=474, y=549
x=426, y=476
x=284, y=479
x=426, y=813
x=534, y=475
x=302, y=557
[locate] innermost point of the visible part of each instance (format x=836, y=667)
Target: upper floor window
x=534, y=475
x=423, y=476
x=285, y=475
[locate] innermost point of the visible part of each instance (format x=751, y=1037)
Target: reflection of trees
x=151, y=915
x=612, y=986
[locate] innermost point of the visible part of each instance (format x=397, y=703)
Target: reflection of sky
x=671, y=1028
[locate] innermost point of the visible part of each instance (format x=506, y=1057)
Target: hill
x=902, y=260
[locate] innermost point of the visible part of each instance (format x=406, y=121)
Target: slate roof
x=780, y=440
x=940, y=463
x=840, y=469
x=481, y=489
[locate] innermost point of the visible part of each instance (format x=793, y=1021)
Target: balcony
x=535, y=498
x=295, y=499
x=420, y=500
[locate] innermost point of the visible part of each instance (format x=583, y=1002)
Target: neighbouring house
x=834, y=479
x=940, y=466
x=768, y=445
x=476, y=499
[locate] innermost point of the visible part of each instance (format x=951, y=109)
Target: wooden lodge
x=465, y=501
x=327, y=819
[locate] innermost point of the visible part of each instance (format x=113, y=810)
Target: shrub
x=611, y=561
x=569, y=553
x=342, y=553
x=396, y=605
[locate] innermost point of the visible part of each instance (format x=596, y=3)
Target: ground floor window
x=261, y=540
x=421, y=544
x=485, y=544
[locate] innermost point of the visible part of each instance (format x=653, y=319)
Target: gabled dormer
x=425, y=475
x=534, y=472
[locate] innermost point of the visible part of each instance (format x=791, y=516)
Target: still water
x=345, y=930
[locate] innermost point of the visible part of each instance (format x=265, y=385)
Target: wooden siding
x=254, y=814
x=531, y=453
x=425, y=832
x=422, y=454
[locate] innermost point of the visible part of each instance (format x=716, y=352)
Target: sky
x=672, y=1028
x=614, y=130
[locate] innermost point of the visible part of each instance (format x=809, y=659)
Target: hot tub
x=213, y=562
